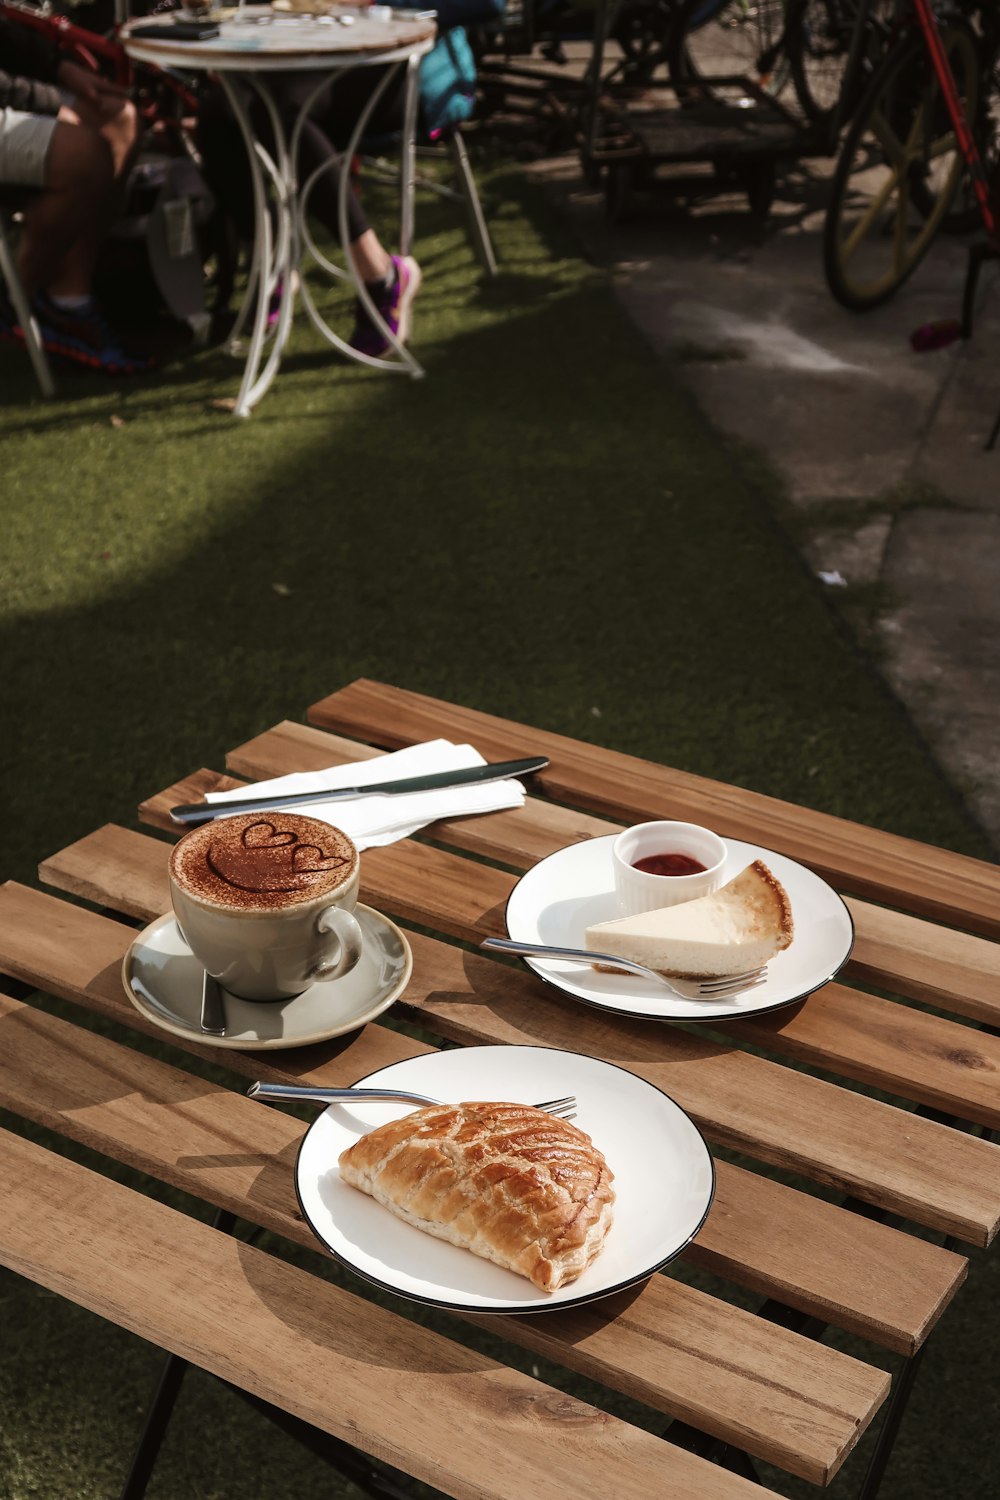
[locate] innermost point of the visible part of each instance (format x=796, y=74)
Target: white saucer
x=163, y=980
x=573, y=888
x=664, y=1179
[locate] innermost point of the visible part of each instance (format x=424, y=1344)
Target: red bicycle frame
x=963, y=130
x=93, y=49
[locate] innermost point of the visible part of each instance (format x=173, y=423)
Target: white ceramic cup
x=638, y=890
x=278, y=953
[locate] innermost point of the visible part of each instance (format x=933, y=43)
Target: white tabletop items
x=250, y=44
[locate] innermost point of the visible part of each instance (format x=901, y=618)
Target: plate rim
x=518, y=1309
x=697, y=1020
x=272, y=1044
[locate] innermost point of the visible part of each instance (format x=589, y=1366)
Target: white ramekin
x=637, y=890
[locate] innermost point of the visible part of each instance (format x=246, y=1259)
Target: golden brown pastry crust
x=506, y=1181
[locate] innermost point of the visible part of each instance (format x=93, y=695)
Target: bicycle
x=909, y=146
x=811, y=43
x=718, y=43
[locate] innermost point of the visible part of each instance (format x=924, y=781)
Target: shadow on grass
x=544, y=528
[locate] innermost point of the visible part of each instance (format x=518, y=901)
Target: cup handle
x=345, y=949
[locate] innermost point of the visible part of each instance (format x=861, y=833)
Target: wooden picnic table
x=819, y=1224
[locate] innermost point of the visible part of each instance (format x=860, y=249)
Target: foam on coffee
x=262, y=862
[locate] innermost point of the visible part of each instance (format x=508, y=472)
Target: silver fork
x=282, y=1093
x=687, y=989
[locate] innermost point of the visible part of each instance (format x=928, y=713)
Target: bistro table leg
x=272, y=261
x=890, y=1426
x=154, y=1428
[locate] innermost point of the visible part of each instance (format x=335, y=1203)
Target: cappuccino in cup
x=265, y=902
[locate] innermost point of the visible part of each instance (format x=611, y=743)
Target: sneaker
x=395, y=304
x=84, y=335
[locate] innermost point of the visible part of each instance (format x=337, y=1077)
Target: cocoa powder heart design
x=265, y=858
x=265, y=836
x=309, y=859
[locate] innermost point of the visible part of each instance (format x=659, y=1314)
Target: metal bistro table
x=251, y=44
x=841, y=1211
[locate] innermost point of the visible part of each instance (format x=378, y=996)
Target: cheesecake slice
x=736, y=929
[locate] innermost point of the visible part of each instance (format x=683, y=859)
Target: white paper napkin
x=382, y=819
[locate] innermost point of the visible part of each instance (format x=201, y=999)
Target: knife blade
x=202, y=812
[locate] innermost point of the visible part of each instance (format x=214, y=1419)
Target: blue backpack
x=447, y=78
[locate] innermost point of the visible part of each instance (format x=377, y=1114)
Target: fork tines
x=563, y=1109
x=724, y=985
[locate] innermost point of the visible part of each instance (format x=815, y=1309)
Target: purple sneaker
x=395, y=306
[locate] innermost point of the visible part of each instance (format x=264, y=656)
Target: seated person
x=446, y=86
x=71, y=134
x=392, y=280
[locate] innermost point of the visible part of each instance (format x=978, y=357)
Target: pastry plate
x=163, y=980
x=664, y=1179
x=564, y=894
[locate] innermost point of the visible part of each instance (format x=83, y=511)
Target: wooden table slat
x=852, y=1142
x=469, y=1426
x=924, y=1058
x=866, y=862
x=784, y=1398
x=851, y=1271
x=916, y=958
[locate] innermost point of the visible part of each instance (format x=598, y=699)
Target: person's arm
x=96, y=94
x=28, y=71
x=28, y=94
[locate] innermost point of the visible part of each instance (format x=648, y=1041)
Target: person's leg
x=392, y=281
x=64, y=225
x=72, y=277
x=317, y=152
x=85, y=169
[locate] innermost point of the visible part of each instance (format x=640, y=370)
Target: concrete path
x=881, y=450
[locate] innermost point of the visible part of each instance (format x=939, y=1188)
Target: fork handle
x=283, y=1092
x=573, y=955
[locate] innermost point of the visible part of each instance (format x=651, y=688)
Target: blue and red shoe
x=85, y=336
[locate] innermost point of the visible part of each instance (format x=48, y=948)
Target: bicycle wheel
x=818, y=43
x=743, y=38
x=875, y=235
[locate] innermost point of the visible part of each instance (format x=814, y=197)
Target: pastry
x=506, y=1181
x=732, y=931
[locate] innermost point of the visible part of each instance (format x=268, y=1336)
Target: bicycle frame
x=90, y=47
x=931, y=30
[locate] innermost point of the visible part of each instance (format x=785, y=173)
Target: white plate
x=664, y=1178
x=163, y=980
x=575, y=887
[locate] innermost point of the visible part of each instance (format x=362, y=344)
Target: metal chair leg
x=32, y=337
x=408, y=158
x=477, y=219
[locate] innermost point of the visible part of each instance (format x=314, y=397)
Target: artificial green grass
x=543, y=528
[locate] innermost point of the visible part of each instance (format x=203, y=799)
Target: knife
x=213, y=1013
x=203, y=812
